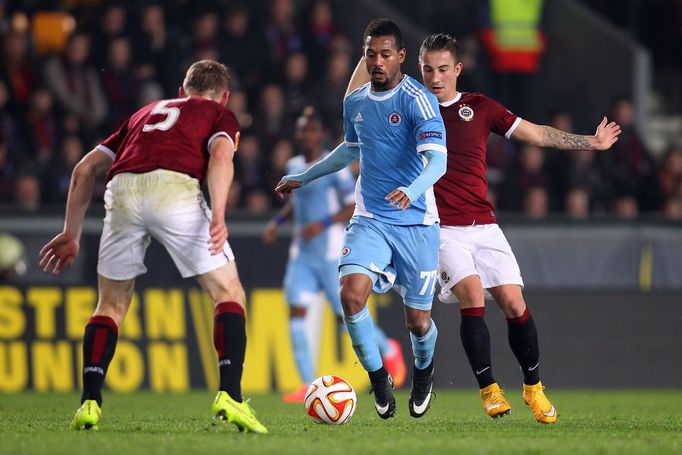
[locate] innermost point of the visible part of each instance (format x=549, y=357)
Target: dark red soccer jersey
x=170, y=134
x=461, y=192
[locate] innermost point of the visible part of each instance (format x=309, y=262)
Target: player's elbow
x=83, y=170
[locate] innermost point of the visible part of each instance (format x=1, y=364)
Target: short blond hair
x=206, y=76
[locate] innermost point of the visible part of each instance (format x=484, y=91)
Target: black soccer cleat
x=384, y=402
x=421, y=391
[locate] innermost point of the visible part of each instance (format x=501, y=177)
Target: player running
x=474, y=253
x=393, y=126
x=156, y=162
x=320, y=211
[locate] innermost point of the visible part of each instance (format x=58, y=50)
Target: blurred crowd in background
x=71, y=72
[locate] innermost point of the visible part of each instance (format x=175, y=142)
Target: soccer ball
x=330, y=400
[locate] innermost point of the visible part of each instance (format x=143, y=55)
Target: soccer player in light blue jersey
x=394, y=127
x=320, y=211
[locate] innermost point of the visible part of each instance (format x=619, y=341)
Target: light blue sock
x=423, y=347
x=361, y=330
x=299, y=342
x=382, y=341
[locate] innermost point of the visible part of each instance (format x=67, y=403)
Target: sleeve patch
x=431, y=134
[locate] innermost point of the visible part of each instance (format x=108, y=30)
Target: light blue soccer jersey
x=392, y=128
x=315, y=201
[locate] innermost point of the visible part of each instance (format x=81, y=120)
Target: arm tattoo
x=552, y=137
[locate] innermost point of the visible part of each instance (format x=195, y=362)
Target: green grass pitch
x=622, y=422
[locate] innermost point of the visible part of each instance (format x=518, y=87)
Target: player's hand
x=397, y=197
x=269, y=233
x=312, y=230
x=218, y=233
x=61, y=250
x=606, y=135
x=285, y=186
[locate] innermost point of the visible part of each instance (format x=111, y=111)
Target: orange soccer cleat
x=395, y=364
x=296, y=396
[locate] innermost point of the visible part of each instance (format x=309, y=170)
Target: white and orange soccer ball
x=330, y=400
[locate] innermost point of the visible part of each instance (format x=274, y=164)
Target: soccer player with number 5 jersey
x=156, y=162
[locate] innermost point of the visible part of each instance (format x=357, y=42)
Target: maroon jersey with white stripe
x=171, y=134
x=461, y=192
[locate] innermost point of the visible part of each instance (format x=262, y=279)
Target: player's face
x=439, y=72
x=310, y=137
x=383, y=59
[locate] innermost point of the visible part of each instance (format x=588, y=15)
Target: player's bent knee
x=419, y=326
x=352, y=301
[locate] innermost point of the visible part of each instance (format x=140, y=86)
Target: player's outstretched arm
x=359, y=77
x=549, y=137
x=435, y=168
x=63, y=249
x=339, y=158
x=219, y=177
x=270, y=231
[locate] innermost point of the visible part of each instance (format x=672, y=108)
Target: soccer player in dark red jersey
x=156, y=163
x=474, y=253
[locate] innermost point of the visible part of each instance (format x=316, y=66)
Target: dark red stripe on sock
x=218, y=339
x=521, y=319
x=229, y=307
x=98, y=344
x=477, y=312
x=104, y=320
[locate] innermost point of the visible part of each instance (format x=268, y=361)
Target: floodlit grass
x=622, y=422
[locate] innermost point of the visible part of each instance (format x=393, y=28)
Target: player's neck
x=396, y=81
x=452, y=100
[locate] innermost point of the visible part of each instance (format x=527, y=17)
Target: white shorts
x=480, y=250
x=166, y=205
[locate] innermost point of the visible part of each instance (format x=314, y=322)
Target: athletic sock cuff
x=104, y=320
x=521, y=319
x=476, y=312
x=229, y=307
x=358, y=316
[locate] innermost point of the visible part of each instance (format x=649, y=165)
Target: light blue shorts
x=402, y=257
x=306, y=277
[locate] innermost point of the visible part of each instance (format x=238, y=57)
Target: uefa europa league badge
x=466, y=113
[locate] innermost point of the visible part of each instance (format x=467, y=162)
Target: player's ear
x=181, y=92
x=458, y=69
x=224, y=98
x=402, y=53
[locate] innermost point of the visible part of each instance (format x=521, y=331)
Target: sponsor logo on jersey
x=358, y=118
x=466, y=113
x=345, y=251
x=428, y=134
x=394, y=119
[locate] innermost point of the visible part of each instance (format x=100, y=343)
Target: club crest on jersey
x=394, y=119
x=466, y=113
x=345, y=251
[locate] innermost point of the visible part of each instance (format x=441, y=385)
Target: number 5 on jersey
x=171, y=113
x=429, y=277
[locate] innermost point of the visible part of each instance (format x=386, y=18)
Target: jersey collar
x=385, y=95
x=452, y=101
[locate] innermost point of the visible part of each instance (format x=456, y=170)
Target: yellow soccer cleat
x=494, y=402
x=87, y=416
x=225, y=409
x=534, y=396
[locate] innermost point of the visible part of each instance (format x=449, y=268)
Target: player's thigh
x=328, y=275
x=124, y=238
x=301, y=285
x=494, y=259
x=365, y=246
x=222, y=284
x=415, y=257
x=455, y=261
x=114, y=298
x=181, y=224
